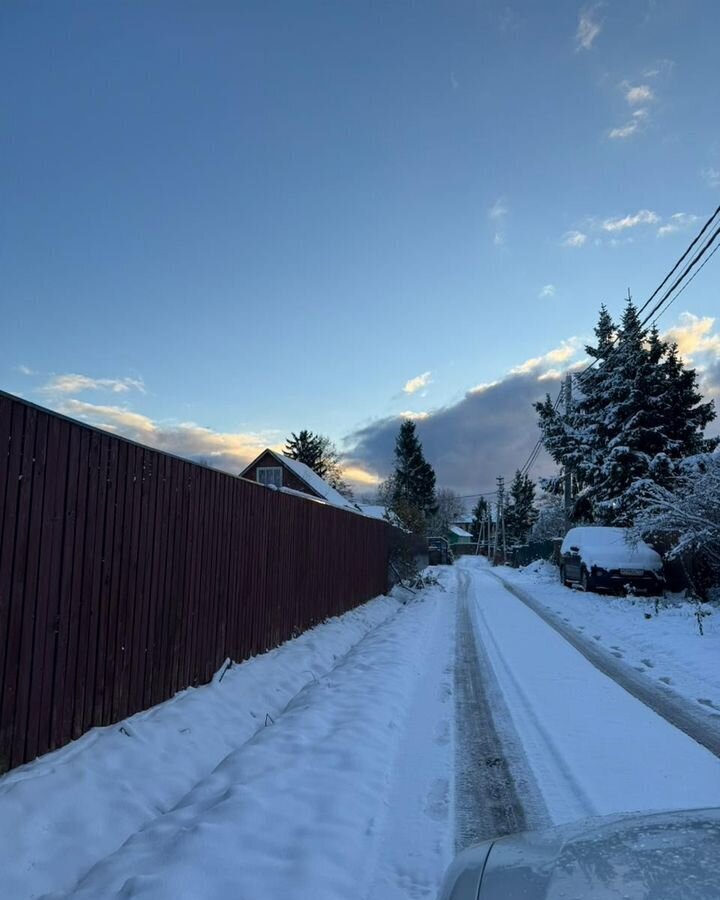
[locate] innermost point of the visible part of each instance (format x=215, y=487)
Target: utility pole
x=500, y=518
x=568, y=470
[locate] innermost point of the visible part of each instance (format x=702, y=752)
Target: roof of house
x=376, y=512
x=311, y=479
x=460, y=532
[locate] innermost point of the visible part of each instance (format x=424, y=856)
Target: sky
x=222, y=222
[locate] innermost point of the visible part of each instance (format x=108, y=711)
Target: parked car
x=600, y=558
x=654, y=856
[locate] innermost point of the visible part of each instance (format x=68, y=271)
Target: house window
x=270, y=475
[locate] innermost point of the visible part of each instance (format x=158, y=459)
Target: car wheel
x=585, y=581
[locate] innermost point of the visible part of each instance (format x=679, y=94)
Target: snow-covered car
x=597, y=557
x=653, y=856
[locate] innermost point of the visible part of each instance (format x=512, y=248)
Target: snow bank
x=298, y=811
x=62, y=813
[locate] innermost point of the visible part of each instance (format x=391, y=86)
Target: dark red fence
x=127, y=574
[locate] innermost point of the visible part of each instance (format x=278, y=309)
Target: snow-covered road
x=348, y=764
x=591, y=748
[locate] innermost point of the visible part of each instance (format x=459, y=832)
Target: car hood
x=662, y=856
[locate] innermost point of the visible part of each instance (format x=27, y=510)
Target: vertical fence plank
x=12, y=461
x=20, y=656
x=47, y=611
x=147, y=536
x=66, y=622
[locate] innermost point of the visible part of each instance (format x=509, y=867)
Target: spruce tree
x=520, y=512
x=306, y=448
x=413, y=479
x=634, y=417
x=320, y=454
x=481, y=514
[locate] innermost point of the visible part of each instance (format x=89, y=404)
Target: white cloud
x=589, y=27
x=417, y=416
x=232, y=451
x=641, y=93
x=356, y=474
x=543, y=365
x=547, y=291
x=113, y=417
x=497, y=214
x=482, y=388
x=75, y=384
x=415, y=384
x=677, y=222
x=25, y=370
x=662, y=67
x=635, y=95
x=498, y=210
x=695, y=337
x=643, y=217
x=573, y=239
x=626, y=130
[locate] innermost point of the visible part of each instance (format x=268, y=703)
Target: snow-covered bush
x=686, y=516
x=551, y=518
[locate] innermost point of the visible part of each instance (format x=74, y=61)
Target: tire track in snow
x=495, y=791
x=543, y=744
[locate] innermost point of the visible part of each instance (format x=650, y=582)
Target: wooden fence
x=127, y=574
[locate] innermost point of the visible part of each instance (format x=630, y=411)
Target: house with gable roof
x=278, y=471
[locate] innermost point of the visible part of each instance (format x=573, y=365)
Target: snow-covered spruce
x=634, y=417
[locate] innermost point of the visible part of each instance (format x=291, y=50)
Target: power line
x=694, y=275
x=679, y=262
x=615, y=343
x=698, y=256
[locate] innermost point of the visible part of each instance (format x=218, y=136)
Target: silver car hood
x=659, y=856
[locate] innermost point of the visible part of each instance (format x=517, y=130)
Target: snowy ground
x=284, y=779
x=666, y=647
x=349, y=763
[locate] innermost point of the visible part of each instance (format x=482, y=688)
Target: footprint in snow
x=442, y=732
x=706, y=702
x=618, y=655
x=436, y=803
x=648, y=662
x=665, y=679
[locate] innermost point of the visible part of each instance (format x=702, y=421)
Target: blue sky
x=234, y=220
